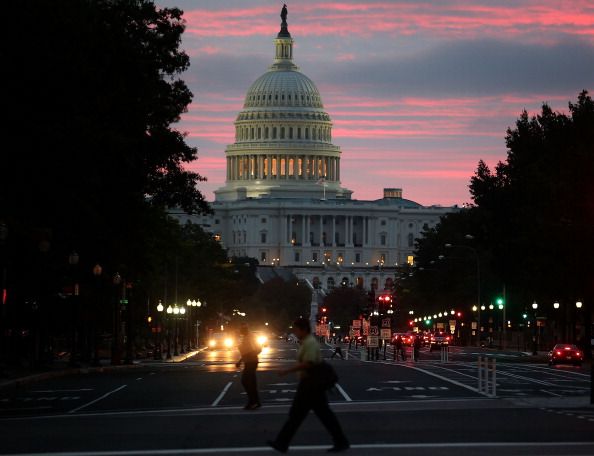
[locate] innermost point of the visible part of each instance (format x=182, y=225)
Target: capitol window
x=411, y=240
x=282, y=133
x=263, y=238
x=383, y=239
x=273, y=132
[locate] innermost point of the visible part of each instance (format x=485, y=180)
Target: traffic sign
x=385, y=334
x=386, y=323
x=123, y=301
x=356, y=324
x=373, y=331
x=372, y=341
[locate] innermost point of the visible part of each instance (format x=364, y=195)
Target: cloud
x=476, y=67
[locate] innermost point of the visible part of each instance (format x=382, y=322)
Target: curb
x=84, y=370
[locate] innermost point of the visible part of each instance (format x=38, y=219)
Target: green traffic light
x=499, y=301
x=524, y=316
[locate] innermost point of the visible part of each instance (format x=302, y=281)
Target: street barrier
x=487, y=376
x=445, y=353
x=363, y=352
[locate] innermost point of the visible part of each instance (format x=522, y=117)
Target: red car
x=565, y=354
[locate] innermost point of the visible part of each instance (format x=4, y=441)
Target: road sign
x=372, y=341
x=385, y=334
x=123, y=301
x=356, y=332
x=365, y=328
x=356, y=324
x=386, y=323
x=373, y=331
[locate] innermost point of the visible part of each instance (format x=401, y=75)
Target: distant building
x=283, y=202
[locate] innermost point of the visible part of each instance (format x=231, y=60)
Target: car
x=407, y=339
x=221, y=340
x=566, y=354
x=439, y=339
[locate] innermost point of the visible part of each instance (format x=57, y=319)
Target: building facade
x=283, y=202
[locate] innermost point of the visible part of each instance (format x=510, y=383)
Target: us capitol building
x=283, y=202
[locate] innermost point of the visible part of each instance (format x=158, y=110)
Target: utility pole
x=504, y=342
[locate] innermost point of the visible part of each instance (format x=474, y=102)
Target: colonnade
x=321, y=230
x=282, y=166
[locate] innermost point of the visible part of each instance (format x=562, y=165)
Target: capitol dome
x=283, y=137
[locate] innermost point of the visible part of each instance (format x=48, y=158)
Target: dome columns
x=283, y=167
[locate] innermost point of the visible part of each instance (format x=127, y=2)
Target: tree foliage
x=532, y=220
x=92, y=104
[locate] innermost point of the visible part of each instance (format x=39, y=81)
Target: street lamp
x=535, y=335
x=74, y=333
x=158, y=353
x=478, y=274
x=169, y=313
x=97, y=271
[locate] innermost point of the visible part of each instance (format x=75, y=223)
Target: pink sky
x=418, y=91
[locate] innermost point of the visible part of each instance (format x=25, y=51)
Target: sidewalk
x=15, y=377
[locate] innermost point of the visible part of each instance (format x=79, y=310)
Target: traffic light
x=524, y=315
x=324, y=310
x=500, y=303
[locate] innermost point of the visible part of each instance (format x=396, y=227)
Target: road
x=195, y=407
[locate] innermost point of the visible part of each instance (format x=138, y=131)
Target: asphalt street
x=386, y=407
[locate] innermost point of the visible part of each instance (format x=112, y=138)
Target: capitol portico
x=283, y=202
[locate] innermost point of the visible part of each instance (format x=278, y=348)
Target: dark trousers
x=337, y=351
x=248, y=380
x=307, y=399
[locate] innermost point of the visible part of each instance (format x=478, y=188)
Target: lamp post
x=535, y=331
x=115, y=344
x=193, y=335
x=97, y=271
x=478, y=275
x=73, y=259
x=169, y=314
x=158, y=354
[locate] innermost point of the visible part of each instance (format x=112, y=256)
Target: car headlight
x=212, y=343
x=228, y=342
x=262, y=340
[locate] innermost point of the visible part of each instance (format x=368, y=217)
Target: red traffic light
x=324, y=309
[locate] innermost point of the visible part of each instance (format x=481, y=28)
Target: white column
x=333, y=243
x=364, y=241
x=338, y=169
x=290, y=228
x=269, y=166
x=315, y=167
x=351, y=230
x=321, y=231
x=303, y=238
x=307, y=230
x=278, y=167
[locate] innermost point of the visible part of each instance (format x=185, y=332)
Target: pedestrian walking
x=249, y=350
x=309, y=395
x=397, y=347
x=416, y=347
x=337, y=350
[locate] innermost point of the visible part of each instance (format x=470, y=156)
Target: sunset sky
x=418, y=91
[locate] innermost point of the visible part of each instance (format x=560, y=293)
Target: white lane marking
x=97, y=400
x=551, y=393
x=222, y=395
x=344, y=393
x=266, y=449
x=445, y=379
x=139, y=378
x=527, y=379
x=205, y=410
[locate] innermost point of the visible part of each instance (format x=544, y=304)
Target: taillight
x=578, y=354
x=558, y=352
